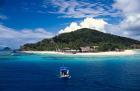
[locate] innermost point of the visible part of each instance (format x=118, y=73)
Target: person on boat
x=64, y=72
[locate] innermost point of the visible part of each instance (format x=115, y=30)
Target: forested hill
x=82, y=38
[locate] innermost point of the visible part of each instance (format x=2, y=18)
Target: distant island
x=83, y=40
x=5, y=49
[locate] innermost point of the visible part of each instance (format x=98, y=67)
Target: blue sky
x=37, y=13
x=28, y=21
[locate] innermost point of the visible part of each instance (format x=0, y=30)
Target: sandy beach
x=126, y=52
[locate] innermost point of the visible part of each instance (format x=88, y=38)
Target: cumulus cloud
x=130, y=25
x=98, y=24
x=72, y=27
x=127, y=7
x=13, y=38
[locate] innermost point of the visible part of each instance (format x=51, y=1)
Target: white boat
x=64, y=72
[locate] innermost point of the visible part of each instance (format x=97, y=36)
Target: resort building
x=68, y=50
x=86, y=49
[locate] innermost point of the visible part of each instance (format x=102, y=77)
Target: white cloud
x=13, y=38
x=98, y=24
x=131, y=22
x=130, y=25
x=79, y=9
x=128, y=7
x=72, y=27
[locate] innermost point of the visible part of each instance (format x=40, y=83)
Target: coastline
x=113, y=53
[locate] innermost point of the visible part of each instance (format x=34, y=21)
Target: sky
x=29, y=21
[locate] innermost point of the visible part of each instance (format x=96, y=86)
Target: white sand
x=126, y=52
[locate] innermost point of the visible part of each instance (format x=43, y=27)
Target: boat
x=64, y=72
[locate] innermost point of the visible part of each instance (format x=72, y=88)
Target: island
x=83, y=41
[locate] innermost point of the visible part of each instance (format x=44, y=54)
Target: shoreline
x=114, y=53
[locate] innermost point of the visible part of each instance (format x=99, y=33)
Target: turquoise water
x=28, y=72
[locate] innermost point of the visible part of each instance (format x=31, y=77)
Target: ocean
x=32, y=72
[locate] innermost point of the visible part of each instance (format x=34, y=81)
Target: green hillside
x=83, y=38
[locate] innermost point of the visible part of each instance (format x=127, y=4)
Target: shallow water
x=28, y=72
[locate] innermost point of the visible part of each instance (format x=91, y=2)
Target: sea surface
x=31, y=72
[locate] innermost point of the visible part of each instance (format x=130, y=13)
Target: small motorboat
x=64, y=72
